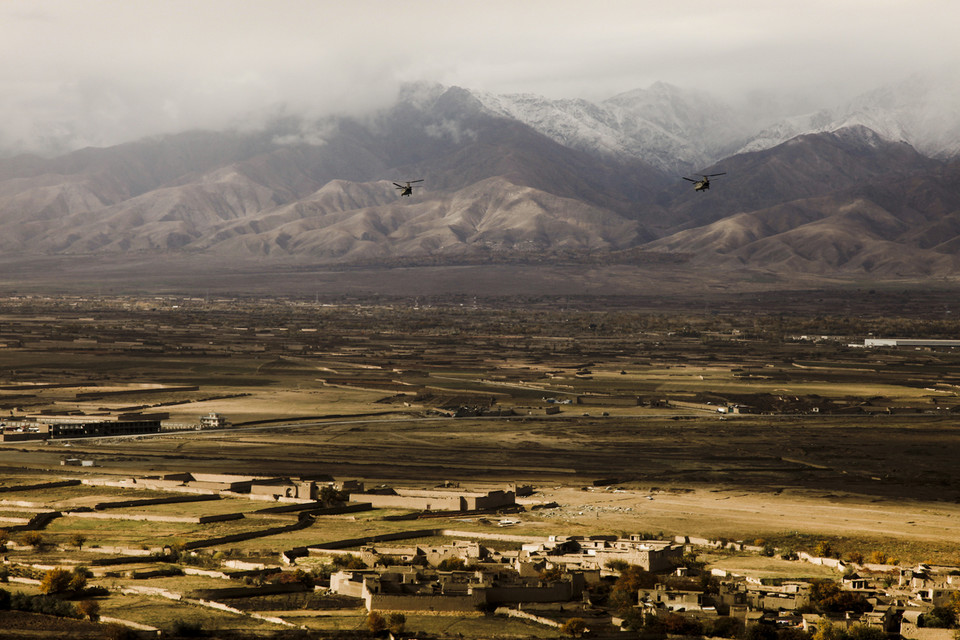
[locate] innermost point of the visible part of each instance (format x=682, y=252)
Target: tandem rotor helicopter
x=406, y=189
x=704, y=182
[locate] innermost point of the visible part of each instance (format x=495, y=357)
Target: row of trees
x=48, y=605
x=36, y=540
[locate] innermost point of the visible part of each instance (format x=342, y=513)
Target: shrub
x=44, y=604
x=863, y=632
x=187, y=628
x=574, y=627
x=452, y=564
x=725, y=627
x=348, y=561
x=878, y=557
x=938, y=618
x=89, y=608
x=396, y=623
x=375, y=622
x=617, y=565
x=33, y=539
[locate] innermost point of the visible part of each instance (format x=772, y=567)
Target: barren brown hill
x=847, y=203
x=891, y=229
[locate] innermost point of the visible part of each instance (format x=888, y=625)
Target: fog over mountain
x=867, y=188
x=106, y=72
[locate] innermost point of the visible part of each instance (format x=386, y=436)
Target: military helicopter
x=406, y=189
x=704, y=183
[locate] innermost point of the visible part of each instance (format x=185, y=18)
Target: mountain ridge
x=513, y=175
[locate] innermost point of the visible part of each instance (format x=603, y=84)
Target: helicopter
x=704, y=183
x=407, y=189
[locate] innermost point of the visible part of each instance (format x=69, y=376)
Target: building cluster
x=468, y=576
x=47, y=425
x=443, y=499
x=44, y=426
x=282, y=488
x=887, y=601
x=560, y=569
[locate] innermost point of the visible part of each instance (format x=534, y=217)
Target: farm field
x=742, y=426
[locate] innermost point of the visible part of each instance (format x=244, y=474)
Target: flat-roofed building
x=213, y=420
x=79, y=426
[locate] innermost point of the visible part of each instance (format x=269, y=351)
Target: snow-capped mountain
x=922, y=111
x=670, y=128
x=520, y=177
x=682, y=131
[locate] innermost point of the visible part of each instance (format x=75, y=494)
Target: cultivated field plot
x=743, y=422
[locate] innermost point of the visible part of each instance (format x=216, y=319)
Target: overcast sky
x=89, y=72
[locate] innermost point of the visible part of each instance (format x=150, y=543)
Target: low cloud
x=107, y=71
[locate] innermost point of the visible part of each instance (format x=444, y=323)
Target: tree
x=574, y=627
x=677, y=624
x=863, y=632
x=452, y=564
x=78, y=579
x=60, y=580
x=552, y=575
x=954, y=604
x=348, y=561
x=89, y=608
x=823, y=549
x=939, y=618
x=725, y=627
x=632, y=579
x=878, y=557
x=4, y=539
x=376, y=622
x=396, y=623
x=617, y=565
x=34, y=539
x=633, y=618
x=792, y=633
x=760, y=632
x=78, y=540
x=331, y=497
x=55, y=581
x=826, y=630
x=827, y=596
x=187, y=628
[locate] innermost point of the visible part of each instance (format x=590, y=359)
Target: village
x=443, y=552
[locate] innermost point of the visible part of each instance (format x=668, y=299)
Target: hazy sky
x=99, y=72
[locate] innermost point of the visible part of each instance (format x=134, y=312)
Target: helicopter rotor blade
x=690, y=179
x=398, y=186
x=711, y=175
x=412, y=181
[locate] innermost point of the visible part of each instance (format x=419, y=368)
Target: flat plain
x=741, y=421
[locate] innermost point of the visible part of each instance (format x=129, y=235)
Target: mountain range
x=867, y=189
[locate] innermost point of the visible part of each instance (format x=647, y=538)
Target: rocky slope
x=517, y=176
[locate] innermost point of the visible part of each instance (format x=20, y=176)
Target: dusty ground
x=739, y=514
